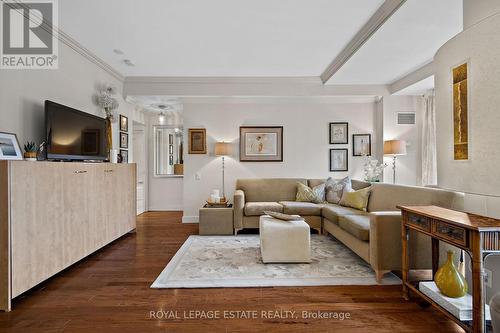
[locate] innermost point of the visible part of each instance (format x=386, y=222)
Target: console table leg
x=405, y=260
x=435, y=256
x=477, y=285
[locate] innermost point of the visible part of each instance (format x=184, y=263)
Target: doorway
x=140, y=158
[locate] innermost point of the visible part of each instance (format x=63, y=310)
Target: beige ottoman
x=284, y=241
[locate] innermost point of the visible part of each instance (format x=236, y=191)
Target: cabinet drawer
x=420, y=222
x=451, y=232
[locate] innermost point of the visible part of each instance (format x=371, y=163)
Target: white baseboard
x=190, y=219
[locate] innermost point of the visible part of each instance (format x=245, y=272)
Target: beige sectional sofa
x=374, y=235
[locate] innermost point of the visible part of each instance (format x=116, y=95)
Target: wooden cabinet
x=58, y=213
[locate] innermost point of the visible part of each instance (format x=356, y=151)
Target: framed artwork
x=339, y=133
x=123, y=140
x=170, y=139
x=460, y=113
x=124, y=154
x=123, y=123
x=261, y=144
x=197, y=141
x=361, y=144
x=339, y=159
x=9, y=147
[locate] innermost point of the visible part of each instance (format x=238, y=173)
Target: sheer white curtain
x=429, y=156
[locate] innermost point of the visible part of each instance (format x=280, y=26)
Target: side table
x=216, y=220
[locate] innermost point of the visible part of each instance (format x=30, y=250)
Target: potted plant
x=373, y=169
x=30, y=150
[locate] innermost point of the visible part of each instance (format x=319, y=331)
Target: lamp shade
x=222, y=149
x=395, y=147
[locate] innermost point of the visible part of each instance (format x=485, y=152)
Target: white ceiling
x=406, y=42
x=217, y=37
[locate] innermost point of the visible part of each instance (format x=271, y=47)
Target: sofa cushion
x=332, y=212
x=356, y=225
x=301, y=208
x=269, y=189
x=258, y=208
x=307, y=194
x=356, y=199
x=335, y=188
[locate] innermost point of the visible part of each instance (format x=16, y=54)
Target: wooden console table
x=479, y=236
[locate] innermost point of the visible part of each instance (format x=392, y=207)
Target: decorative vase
x=449, y=281
x=109, y=136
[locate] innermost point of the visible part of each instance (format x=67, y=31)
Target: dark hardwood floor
x=109, y=292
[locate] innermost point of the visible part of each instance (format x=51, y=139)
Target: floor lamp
x=394, y=148
x=223, y=149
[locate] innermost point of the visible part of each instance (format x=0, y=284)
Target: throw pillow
x=356, y=199
x=335, y=188
x=307, y=194
x=284, y=217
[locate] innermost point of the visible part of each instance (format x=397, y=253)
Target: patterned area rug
x=235, y=261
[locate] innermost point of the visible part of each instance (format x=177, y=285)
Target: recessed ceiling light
x=118, y=51
x=128, y=62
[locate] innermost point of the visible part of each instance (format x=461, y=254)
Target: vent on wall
x=406, y=118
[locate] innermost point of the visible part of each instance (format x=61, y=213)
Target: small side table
x=216, y=220
x=479, y=236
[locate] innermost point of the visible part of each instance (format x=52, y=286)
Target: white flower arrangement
x=107, y=101
x=373, y=169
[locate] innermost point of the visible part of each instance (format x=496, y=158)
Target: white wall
x=408, y=167
x=23, y=93
x=477, y=10
x=164, y=193
x=305, y=143
x=480, y=45
x=479, y=176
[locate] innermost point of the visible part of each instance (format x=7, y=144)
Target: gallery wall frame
x=361, y=145
x=338, y=133
x=339, y=159
x=197, y=141
x=261, y=144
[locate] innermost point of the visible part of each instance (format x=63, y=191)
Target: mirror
x=168, y=148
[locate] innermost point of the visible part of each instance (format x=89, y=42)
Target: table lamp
x=394, y=148
x=223, y=149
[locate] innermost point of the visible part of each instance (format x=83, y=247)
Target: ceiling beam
x=243, y=87
x=410, y=79
x=385, y=11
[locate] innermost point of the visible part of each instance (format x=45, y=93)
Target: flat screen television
x=73, y=135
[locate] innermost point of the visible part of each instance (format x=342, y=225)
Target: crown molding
x=243, y=87
x=385, y=11
x=281, y=100
x=75, y=45
x=89, y=55
x=312, y=80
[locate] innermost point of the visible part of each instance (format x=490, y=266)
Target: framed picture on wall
x=123, y=140
x=339, y=159
x=361, y=145
x=339, y=133
x=261, y=144
x=197, y=141
x=124, y=154
x=9, y=147
x=123, y=123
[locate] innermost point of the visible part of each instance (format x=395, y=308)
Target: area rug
x=235, y=261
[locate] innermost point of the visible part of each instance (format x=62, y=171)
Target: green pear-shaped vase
x=449, y=280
